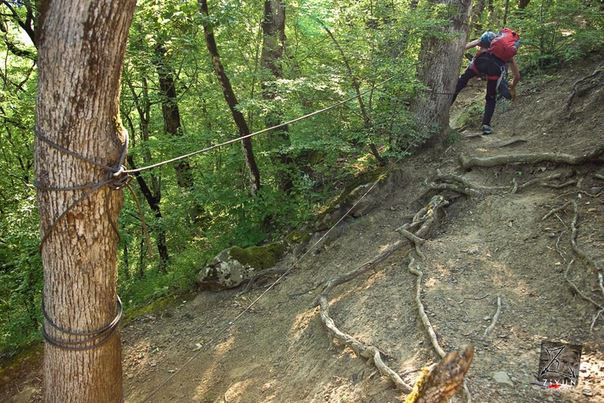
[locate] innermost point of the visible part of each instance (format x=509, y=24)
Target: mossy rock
x=233, y=266
x=259, y=257
x=297, y=237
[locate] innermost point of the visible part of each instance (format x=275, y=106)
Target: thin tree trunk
x=126, y=261
x=439, y=61
x=523, y=3
x=153, y=200
x=152, y=194
x=506, y=11
x=273, y=48
x=367, y=122
x=81, y=50
x=231, y=99
x=476, y=20
x=171, y=113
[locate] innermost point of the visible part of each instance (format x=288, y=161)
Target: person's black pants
x=490, y=67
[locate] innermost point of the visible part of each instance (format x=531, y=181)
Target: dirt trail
x=495, y=245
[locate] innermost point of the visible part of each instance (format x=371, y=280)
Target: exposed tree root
x=588, y=259
x=573, y=241
x=508, y=143
x=439, y=384
x=469, y=187
x=555, y=210
x=450, y=383
x=262, y=274
x=365, y=267
x=580, y=254
x=576, y=90
x=361, y=349
x=423, y=221
x=595, y=319
x=422, y=313
x=495, y=318
x=544, y=182
x=577, y=290
x=468, y=162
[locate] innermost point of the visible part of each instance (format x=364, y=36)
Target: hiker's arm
x=473, y=44
x=515, y=72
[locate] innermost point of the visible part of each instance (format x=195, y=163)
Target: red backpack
x=505, y=45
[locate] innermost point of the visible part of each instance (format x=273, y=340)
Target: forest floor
x=496, y=244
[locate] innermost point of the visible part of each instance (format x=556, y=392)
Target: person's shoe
x=486, y=129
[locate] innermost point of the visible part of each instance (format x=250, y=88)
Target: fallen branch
x=495, y=318
x=468, y=162
x=442, y=381
x=598, y=176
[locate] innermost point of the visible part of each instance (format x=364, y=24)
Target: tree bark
x=153, y=199
x=367, y=121
x=523, y=3
x=506, y=11
x=170, y=112
x=81, y=50
x=231, y=99
x=151, y=193
x=273, y=48
x=477, y=10
x=439, y=63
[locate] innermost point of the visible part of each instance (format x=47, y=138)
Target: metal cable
x=87, y=339
x=268, y=129
x=232, y=322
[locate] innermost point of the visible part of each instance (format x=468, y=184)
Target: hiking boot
x=486, y=129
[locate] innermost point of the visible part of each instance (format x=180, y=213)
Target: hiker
x=496, y=51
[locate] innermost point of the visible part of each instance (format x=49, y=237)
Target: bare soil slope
x=491, y=245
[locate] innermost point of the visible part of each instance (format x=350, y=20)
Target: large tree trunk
x=273, y=47
x=231, y=99
x=439, y=64
x=81, y=50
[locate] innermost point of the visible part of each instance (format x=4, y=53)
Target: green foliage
x=470, y=116
x=375, y=47
x=558, y=31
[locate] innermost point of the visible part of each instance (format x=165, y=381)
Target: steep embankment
x=492, y=243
